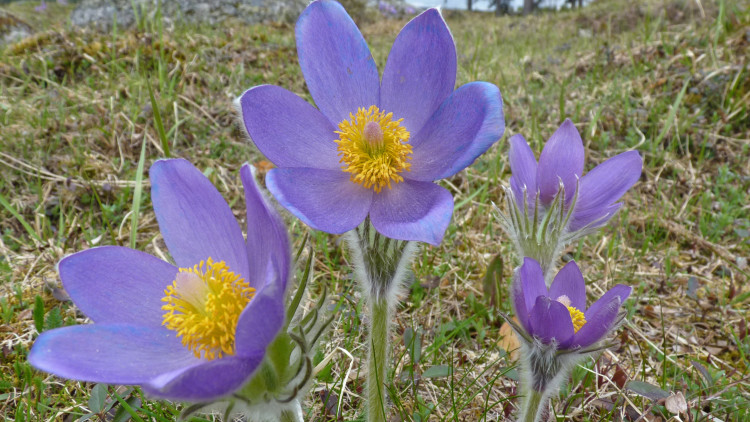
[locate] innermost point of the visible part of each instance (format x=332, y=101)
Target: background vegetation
x=668, y=78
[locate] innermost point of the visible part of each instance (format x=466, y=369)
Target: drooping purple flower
x=562, y=161
x=372, y=147
x=194, y=331
x=559, y=315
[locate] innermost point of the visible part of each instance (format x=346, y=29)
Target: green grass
x=670, y=79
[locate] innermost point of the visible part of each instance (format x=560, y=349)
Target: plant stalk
x=376, y=365
x=533, y=406
x=293, y=415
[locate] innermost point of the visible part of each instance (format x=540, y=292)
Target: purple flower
x=372, y=147
x=561, y=161
x=559, y=315
x=193, y=331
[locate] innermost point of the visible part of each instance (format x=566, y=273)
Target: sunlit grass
x=669, y=79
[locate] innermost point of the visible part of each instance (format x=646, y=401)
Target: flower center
x=578, y=318
x=203, y=306
x=374, y=148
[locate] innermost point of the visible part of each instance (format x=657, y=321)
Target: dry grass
x=670, y=79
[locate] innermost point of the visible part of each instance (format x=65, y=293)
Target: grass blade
x=672, y=112
x=137, y=195
x=20, y=218
x=158, y=122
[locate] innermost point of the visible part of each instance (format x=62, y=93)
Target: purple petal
x=338, y=67
x=267, y=240
x=569, y=282
x=261, y=321
x=519, y=300
x=111, y=353
x=412, y=210
x=597, y=323
x=603, y=186
x=323, y=199
x=523, y=169
x=112, y=284
x=208, y=381
x=532, y=281
x=464, y=126
x=194, y=219
x=421, y=70
x=550, y=319
x=622, y=291
x=561, y=158
x=287, y=129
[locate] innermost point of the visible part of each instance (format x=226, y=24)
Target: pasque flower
x=193, y=331
x=559, y=315
x=561, y=164
x=552, y=203
x=557, y=330
x=372, y=147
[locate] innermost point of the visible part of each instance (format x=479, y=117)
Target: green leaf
x=38, y=314
x=98, y=398
x=703, y=371
x=54, y=319
x=122, y=415
x=279, y=352
x=647, y=390
x=492, y=280
x=437, y=371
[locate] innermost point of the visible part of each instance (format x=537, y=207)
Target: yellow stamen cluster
x=374, y=148
x=578, y=318
x=204, y=304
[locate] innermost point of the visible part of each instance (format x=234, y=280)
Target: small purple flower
x=42, y=7
x=373, y=147
x=194, y=331
x=562, y=161
x=559, y=315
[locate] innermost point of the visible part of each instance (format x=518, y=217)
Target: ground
x=667, y=78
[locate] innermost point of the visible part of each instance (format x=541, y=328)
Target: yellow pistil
x=374, y=148
x=204, y=304
x=578, y=318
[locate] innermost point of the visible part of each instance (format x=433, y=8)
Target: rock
x=12, y=29
x=101, y=13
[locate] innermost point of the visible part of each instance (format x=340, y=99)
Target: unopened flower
x=372, y=147
x=195, y=331
x=552, y=203
x=559, y=315
x=557, y=330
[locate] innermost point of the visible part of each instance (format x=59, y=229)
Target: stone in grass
x=100, y=14
x=12, y=29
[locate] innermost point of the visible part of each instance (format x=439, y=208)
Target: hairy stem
x=376, y=375
x=533, y=406
x=293, y=415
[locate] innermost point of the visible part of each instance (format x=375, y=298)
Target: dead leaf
x=676, y=403
x=264, y=166
x=508, y=340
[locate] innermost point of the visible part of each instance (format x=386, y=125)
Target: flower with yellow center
x=374, y=148
x=203, y=306
x=184, y=332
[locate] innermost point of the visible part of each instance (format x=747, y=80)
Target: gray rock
x=101, y=13
x=12, y=29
